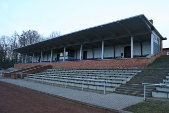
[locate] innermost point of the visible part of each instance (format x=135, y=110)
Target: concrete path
x=110, y=101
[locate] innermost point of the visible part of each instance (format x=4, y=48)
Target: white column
x=81, y=52
x=131, y=47
x=41, y=57
x=26, y=58
x=64, y=54
x=33, y=58
x=51, y=55
x=152, y=44
x=102, y=55
x=22, y=58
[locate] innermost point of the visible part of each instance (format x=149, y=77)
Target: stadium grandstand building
x=130, y=43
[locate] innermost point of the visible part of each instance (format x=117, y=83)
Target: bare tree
x=22, y=39
x=54, y=34
x=14, y=45
x=7, y=44
x=29, y=37
x=4, y=47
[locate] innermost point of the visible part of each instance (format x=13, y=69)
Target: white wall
x=146, y=48
x=137, y=49
x=156, y=42
x=109, y=51
x=89, y=53
x=119, y=49
x=97, y=52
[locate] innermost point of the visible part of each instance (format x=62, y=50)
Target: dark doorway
x=84, y=54
x=58, y=56
x=127, y=51
x=39, y=60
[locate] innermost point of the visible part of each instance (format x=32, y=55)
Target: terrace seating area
x=162, y=90
x=20, y=73
x=103, y=81
x=154, y=73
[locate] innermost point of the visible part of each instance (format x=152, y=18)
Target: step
x=162, y=88
x=160, y=94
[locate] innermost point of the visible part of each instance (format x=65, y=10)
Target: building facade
x=129, y=38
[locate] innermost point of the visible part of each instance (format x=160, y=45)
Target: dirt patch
x=15, y=99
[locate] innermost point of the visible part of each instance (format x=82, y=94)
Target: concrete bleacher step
x=162, y=91
x=162, y=88
x=166, y=81
x=160, y=94
x=131, y=89
x=156, y=72
x=91, y=79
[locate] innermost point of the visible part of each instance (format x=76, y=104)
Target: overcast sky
x=66, y=16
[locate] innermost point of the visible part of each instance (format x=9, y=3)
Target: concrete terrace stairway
x=153, y=73
x=103, y=81
x=20, y=73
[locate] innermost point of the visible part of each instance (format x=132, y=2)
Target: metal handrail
x=150, y=84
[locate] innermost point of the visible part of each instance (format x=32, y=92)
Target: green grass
x=149, y=106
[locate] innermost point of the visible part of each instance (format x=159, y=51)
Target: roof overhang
x=113, y=33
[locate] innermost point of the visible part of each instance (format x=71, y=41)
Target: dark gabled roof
x=113, y=33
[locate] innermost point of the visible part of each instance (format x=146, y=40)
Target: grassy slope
x=150, y=106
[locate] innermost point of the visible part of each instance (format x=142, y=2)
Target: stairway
x=25, y=71
x=153, y=73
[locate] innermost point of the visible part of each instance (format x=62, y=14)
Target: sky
x=66, y=16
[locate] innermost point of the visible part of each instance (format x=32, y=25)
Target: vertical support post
x=141, y=46
x=144, y=91
x=64, y=54
x=76, y=54
x=42, y=79
x=81, y=52
x=114, y=48
x=51, y=55
x=41, y=57
x=65, y=83
x=102, y=55
x=26, y=58
x=33, y=58
x=21, y=75
x=93, y=52
x=104, y=87
x=152, y=44
x=131, y=47
x=82, y=85
x=22, y=57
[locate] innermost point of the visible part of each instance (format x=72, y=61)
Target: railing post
x=42, y=79
x=21, y=75
x=104, y=87
x=65, y=83
x=82, y=85
x=144, y=92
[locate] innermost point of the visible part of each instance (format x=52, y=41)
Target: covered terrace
x=127, y=32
